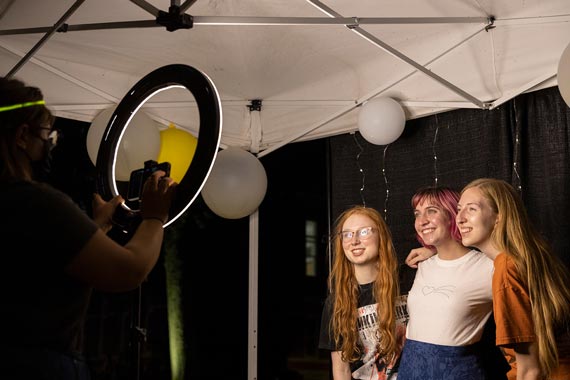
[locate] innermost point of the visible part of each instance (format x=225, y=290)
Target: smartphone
x=139, y=176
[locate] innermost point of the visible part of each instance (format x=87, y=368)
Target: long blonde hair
x=545, y=276
x=343, y=285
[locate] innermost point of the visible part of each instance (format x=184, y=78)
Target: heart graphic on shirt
x=427, y=290
x=445, y=290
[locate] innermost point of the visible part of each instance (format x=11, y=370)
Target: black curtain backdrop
x=525, y=141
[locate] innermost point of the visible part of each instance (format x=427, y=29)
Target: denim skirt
x=425, y=361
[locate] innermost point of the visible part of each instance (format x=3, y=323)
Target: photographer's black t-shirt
x=42, y=230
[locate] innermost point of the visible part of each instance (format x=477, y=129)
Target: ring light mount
x=209, y=107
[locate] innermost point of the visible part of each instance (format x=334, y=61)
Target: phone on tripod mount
x=127, y=217
x=139, y=177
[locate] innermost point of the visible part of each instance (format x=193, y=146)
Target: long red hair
x=343, y=285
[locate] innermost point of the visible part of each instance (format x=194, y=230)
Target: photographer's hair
x=543, y=273
x=345, y=289
x=14, y=94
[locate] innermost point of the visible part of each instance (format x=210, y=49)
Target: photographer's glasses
x=363, y=233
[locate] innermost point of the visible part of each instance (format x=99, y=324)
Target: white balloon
x=564, y=75
x=236, y=185
x=141, y=142
x=381, y=121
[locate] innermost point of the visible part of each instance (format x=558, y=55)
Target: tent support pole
x=371, y=38
x=253, y=296
x=508, y=96
x=41, y=42
x=253, y=21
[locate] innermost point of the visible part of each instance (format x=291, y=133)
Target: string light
x=517, y=180
x=363, y=175
x=434, y=152
x=386, y=183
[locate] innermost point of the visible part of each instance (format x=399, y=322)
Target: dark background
x=213, y=256
x=526, y=141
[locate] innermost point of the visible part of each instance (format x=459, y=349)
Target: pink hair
x=444, y=197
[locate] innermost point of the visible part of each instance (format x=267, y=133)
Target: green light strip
x=22, y=105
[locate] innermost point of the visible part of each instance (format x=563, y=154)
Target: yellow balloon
x=178, y=148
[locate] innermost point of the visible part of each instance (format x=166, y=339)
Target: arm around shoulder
x=418, y=255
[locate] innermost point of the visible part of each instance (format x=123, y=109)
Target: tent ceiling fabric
x=310, y=76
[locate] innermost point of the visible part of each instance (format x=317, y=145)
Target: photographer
x=54, y=254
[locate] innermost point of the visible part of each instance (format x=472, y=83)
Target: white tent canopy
x=311, y=63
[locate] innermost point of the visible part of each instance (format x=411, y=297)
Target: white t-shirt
x=451, y=300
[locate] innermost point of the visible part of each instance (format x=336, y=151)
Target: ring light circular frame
x=209, y=107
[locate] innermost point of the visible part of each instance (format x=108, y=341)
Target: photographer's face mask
x=42, y=166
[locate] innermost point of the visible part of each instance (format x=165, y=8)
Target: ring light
x=209, y=106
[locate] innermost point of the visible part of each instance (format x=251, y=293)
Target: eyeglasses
x=363, y=233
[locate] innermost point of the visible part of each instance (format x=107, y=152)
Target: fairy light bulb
x=386, y=183
x=435, y=174
x=517, y=179
x=360, y=170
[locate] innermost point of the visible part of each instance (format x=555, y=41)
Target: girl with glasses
x=364, y=317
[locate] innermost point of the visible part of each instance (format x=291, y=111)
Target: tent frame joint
x=175, y=19
x=64, y=28
x=355, y=24
x=255, y=105
x=490, y=23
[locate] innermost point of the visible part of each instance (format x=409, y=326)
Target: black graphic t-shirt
x=370, y=365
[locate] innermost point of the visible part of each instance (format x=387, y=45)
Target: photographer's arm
x=108, y=266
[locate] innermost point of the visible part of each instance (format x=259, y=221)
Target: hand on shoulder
x=417, y=255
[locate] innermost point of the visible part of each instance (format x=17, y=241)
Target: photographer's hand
x=108, y=266
x=156, y=196
x=103, y=211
